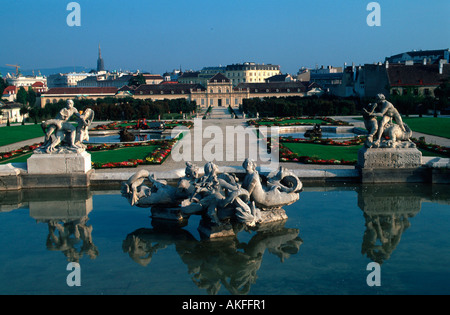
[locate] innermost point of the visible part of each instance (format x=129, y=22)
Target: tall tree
x=22, y=96
x=31, y=96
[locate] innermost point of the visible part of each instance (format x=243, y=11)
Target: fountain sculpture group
x=218, y=197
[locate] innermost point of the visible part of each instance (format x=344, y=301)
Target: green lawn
x=123, y=154
x=18, y=159
x=13, y=134
x=325, y=152
x=437, y=126
x=111, y=156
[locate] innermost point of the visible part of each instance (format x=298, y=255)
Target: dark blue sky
x=158, y=36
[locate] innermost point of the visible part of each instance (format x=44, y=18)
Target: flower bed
x=157, y=156
x=296, y=121
x=421, y=144
x=287, y=155
x=354, y=141
x=19, y=152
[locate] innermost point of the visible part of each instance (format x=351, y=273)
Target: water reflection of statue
x=386, y=217
x=65, y=235
x=226, y=262
x=388, y=229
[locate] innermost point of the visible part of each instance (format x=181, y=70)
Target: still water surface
x=332, y=234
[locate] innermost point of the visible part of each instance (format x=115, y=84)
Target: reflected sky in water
x=323, y=248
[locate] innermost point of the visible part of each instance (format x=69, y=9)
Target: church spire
x=100, y=63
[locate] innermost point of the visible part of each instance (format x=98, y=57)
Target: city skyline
x=159, y=37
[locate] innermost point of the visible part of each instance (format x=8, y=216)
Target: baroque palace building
x=218, y=91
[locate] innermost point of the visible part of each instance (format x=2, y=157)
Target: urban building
x=420, y=56
x=9, y=93
x=406, y=78
x=67, y=79
x=281, y=78
x=250, y=72
x=24, y=81
x=328, y=78
x=417, y=79
x=105, y=79
x=219, y=91
x=152, y=78
x=63, y=94
x=10, y=111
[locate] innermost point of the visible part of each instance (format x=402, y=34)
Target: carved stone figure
x=385, y=132
x=282, y=188
x=217, y=197
x=370, y=122
x=63, y=137
x=84, y=122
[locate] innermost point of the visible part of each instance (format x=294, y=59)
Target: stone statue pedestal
x=208, y=231
x=59, y=163
x=391, y=165
x=389, y=158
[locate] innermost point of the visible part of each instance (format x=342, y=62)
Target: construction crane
x=17, y=68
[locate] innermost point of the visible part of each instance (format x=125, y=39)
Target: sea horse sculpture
x=282, y=189
x=217, y=197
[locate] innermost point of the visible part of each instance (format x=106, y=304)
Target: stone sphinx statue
x=385, y=133
x=217, y=197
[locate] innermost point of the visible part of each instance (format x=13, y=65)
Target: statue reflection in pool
x=218, y=197
x=228, y=262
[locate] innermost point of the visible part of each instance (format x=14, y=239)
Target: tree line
x=111, y=108
x=329, y=105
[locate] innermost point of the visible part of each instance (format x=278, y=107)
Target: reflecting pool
x=325, y=246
